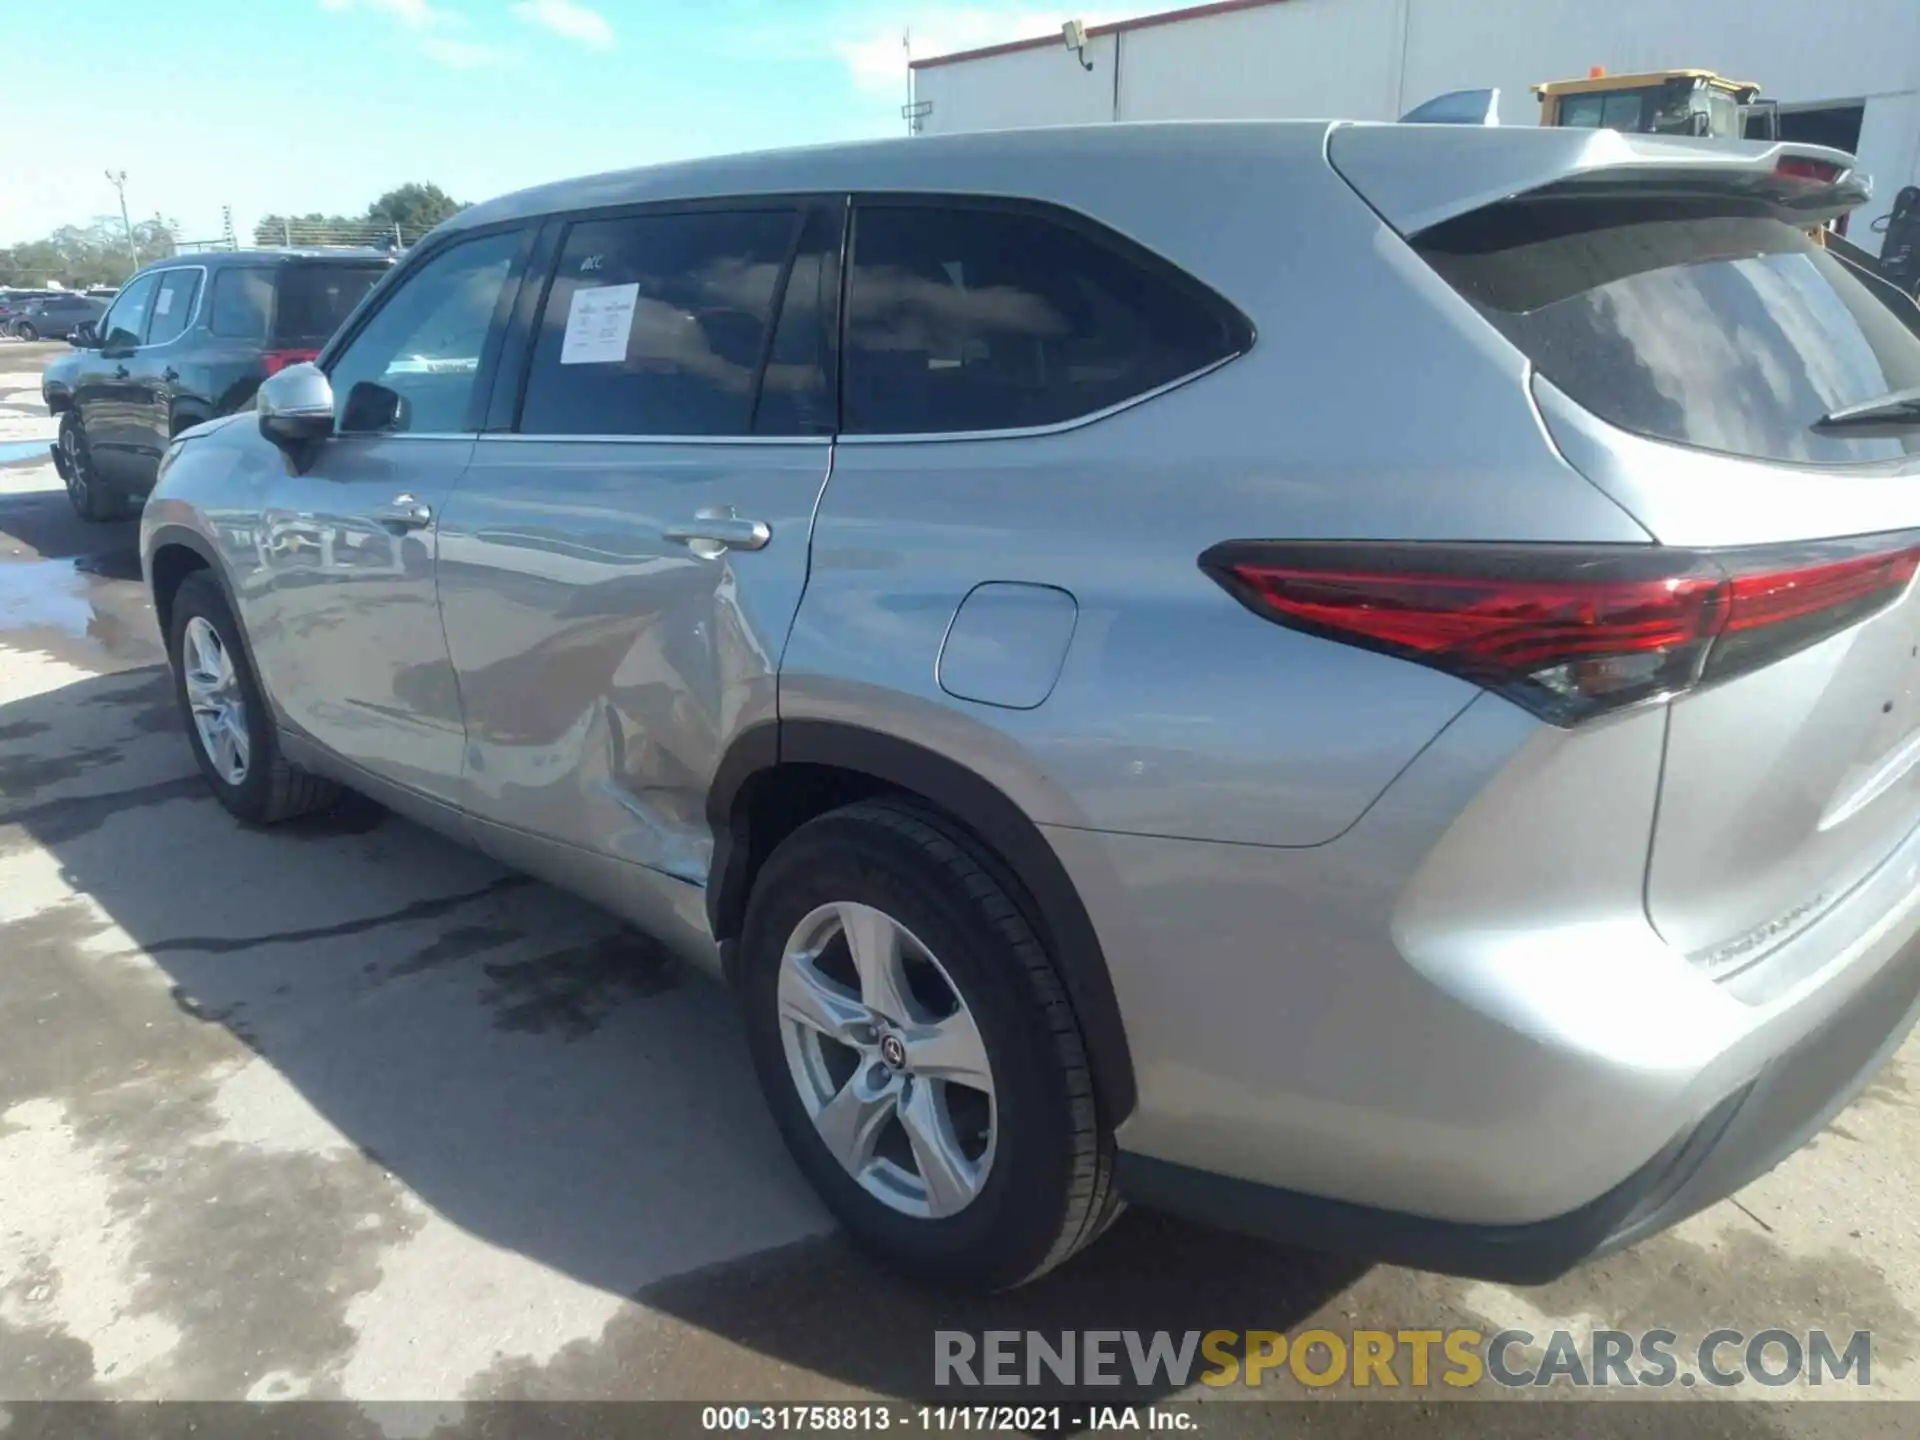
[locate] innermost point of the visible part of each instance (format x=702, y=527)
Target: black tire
x=1049, y=1191
x=92, y=499
x=26, y=332
x=271, y=789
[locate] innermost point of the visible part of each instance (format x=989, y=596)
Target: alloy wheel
x=214, y=695
x=75, y=456
x=888, y=1060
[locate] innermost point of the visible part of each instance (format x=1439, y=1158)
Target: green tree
x=311, y=229
x=80, y=256
x=415, y=208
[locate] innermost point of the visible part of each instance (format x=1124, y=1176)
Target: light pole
x=119, y=182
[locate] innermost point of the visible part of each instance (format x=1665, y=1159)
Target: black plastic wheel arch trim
x=1026, y=862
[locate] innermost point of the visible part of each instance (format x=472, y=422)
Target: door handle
x=404, y=513
x=710, y=532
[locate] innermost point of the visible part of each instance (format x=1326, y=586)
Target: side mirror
x=296, y=407
x=83, y=336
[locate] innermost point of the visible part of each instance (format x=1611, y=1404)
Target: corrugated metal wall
x=1374, y=59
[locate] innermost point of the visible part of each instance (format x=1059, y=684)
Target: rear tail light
x=1570, y=631
x=1802, y=167
x=278, y=360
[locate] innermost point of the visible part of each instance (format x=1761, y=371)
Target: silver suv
x=1355, y=682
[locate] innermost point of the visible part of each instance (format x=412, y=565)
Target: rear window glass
x=1732, y=333
x=314, y=299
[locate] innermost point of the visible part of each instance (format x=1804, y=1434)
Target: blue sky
x=320, y=105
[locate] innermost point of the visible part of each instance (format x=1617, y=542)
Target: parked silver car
x=1358, y=682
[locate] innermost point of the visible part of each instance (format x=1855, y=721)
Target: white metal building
x=1845, y=74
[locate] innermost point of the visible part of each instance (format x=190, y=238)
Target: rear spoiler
x=1419, y=176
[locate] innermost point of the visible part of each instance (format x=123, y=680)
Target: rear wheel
x=91, y=500
x=918, y=1052
x=232, y=731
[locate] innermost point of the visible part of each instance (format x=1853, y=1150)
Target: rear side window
x=657, y=325
x=173, y=305
x=968, y=318
x=315, y=299
x=241, y=303
x=1732, y=333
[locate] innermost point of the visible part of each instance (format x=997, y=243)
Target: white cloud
x=461, y=54
x=443, y=43
x=569, y=19
x=877, y=61
x=417, y=14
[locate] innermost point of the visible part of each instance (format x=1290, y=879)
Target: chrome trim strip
x=659, y=439
x=1031, y=431
x=928, y=437
x=405, y=435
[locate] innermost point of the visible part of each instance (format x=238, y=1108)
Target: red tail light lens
x=1782, y=601
x=278, y=360
x=1800, y=167
x=1570, y=631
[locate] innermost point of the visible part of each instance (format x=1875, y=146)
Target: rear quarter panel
x=1372, y=405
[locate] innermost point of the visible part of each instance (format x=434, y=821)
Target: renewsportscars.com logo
x=1388, y=1359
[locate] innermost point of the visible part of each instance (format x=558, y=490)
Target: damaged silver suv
x=1359, y=682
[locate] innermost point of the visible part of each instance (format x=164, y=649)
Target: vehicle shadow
x=536, y=1075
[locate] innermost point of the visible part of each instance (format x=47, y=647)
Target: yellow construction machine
x=1660, y=102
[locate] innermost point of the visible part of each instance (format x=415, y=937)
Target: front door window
x=414, y=367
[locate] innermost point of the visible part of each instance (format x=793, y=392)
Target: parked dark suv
x=188, y=339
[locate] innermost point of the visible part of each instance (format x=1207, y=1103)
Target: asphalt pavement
x=339, y=1109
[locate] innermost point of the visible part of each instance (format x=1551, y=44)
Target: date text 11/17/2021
x=943, y=1419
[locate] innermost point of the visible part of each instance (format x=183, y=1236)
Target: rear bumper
x=1742, y=1138
x=1451, y=1037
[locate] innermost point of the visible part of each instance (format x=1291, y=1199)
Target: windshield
x=1731, y=333
x=1604, y=110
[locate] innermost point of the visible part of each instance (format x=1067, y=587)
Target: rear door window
x=967, y=317
x=316, y=298
x=173, y=305
x=656, y=324
x=1729, y=332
